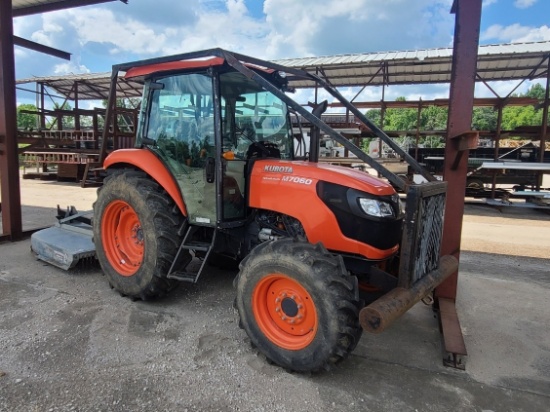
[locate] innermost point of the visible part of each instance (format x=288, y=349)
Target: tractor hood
x=309, y=173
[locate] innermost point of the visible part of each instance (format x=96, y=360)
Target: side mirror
x=156, y=86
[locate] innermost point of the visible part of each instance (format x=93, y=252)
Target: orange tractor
x=219, y=173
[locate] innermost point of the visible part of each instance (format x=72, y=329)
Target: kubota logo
x=278, y=169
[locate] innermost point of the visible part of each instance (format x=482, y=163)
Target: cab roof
x=141, y=71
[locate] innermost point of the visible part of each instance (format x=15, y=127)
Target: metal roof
x=91, y=86
x=495, y=62
x=28, y=7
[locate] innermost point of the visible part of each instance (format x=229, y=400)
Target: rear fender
x=146, y=161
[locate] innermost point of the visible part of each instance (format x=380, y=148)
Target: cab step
x=188, y=243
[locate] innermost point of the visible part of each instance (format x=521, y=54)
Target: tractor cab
x=205, y=123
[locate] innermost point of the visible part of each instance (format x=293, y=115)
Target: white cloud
x=42, y=37
x=70, y=68
x=523, y=4
x=22, y=27
x=503, y=88
x=516, y=33
x=103, y=26
x=19, y=52
x=288, y=29
x=488, y=2
x=315, y=27
x=232, y=28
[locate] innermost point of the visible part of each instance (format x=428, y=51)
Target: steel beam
x=58, y=5
x=12, y=225
x=463, y=75
x=18, y=41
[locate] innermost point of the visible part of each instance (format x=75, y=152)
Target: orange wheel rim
x=285, y=312
x=122, y=237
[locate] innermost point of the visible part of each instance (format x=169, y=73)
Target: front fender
x=146, y=161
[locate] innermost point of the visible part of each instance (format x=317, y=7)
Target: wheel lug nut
x=283, y=318
x=278, y=300
x=277, y=309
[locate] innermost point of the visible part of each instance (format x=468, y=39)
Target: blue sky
x=100, y=36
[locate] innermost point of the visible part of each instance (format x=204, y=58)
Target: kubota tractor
x=220, y=174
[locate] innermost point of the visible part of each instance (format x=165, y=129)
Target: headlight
x=375, y=207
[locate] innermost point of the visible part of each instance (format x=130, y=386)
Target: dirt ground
x=70, y=343
x=507, y=232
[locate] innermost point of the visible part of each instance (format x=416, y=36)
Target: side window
x=181, y=118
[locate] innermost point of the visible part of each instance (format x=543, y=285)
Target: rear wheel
x=135, y=234
x=298, y=305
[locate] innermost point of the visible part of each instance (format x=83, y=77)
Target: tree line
x=484, y=118
x=28, y=121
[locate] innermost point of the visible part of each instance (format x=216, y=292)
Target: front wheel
x=135, y=233
x=298, y=305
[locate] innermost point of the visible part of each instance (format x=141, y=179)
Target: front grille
x=422, y=231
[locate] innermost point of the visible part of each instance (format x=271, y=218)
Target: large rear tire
x=298, y=305
x=135, y=233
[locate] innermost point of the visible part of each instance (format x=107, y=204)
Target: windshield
x=251, y=114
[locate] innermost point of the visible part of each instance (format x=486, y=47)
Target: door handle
x=210, y=169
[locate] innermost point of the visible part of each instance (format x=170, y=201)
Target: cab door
x=181, y=121
x=254, y=123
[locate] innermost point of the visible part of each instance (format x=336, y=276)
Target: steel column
x=418, y=121
x=12, y=225
x=461, y=101
x=42, y=107
x=76, y=108
x=498, y=132
x=544, y=126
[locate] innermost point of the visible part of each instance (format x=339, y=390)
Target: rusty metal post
x=461, y=102
x=498, y=132
x=380, y=314
x=418, y=120
x=42, y=107
x=12, y=225
x=544, y=126
x=110, y=112
x=76, y=108
x=382, y=115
